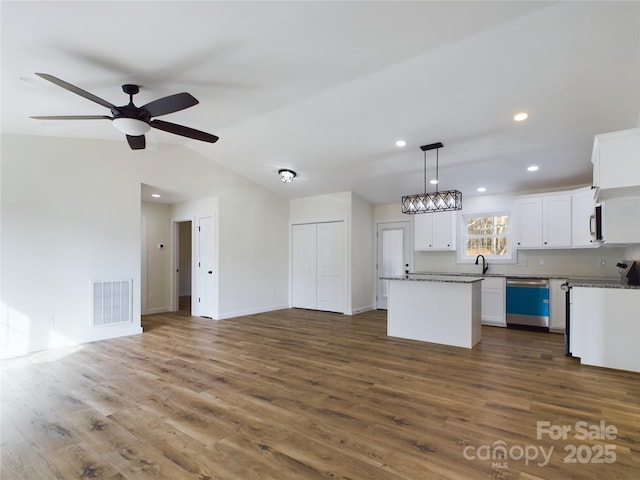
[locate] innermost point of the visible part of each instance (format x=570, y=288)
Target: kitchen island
x=441, y=309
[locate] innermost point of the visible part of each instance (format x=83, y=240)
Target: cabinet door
x=619, y=159
x=493, y=301
x=583, y=220
x=529, y=229
x=423, y=231
x=303, y=282
x=556, y=221
x=444, y=224
x=621, y=220
x=557, y=305
x=330, y=262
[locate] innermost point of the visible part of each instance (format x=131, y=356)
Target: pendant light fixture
x=433, y=201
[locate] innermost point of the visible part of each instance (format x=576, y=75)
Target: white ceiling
x=326, y=88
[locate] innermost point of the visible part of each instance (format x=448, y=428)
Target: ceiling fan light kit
x=429, y=202
x=131, y=126
x=134, y=121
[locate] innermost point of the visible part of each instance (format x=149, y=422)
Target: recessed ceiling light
x=519, y=117
x=155, y=195
x=400, y=143
x=482, y=189
x=434, y=182
x=533, y=168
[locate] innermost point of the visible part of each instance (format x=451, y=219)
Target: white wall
x=362, y=255
x=156, y=270
x=71, y=213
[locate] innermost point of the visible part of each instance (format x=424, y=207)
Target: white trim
x=151, y=311
x=251, y=311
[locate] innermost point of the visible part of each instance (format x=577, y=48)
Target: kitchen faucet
x=485, y=266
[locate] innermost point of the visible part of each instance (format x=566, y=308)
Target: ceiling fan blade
x=184, y=131
x=137, y=142
x=72, y=117
x=76, y=90
x=170, y=104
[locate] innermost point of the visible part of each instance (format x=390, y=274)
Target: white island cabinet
x=605, y=326
x=436, y=309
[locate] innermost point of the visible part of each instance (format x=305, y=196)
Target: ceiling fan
x=134, y=121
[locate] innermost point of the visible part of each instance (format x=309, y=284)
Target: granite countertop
x=590, y=282
x=600, y=283
x=445, y=277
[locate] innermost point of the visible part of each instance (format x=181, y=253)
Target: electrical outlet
x=542, y=262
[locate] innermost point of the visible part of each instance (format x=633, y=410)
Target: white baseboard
x=151, y=311
x=106, y=332
x=355, y=311
x=251, y=311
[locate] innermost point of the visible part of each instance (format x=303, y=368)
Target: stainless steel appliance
x=528, y=303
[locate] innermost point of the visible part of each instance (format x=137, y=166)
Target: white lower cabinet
x=318, y=266
x=493, y=301
x=605, y=327
x=557, y=305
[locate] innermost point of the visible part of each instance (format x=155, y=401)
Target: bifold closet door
x=303, y=285
x=330, y=267
x=318, y=266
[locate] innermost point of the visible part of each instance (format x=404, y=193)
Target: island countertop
x=435, y=278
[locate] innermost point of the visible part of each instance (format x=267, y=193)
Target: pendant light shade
x=431, y=201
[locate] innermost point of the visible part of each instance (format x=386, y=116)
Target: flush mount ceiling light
x=519, y=117
x=481, y=189
x=400, y=143
x=286, y=175
x=155, y=195
x=533, y=168
x=433, y=201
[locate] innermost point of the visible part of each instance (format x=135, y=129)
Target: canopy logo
x=500, y=453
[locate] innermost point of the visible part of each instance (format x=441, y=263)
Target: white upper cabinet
x=583, y=221
x=556, y=221
x=435, y=231
x=616, y=163
x=544, y=221
x=529, y=222
x=621, y=220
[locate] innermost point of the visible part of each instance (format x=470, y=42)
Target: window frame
x=463, y=236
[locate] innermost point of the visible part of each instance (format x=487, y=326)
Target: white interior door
x=206, y=267
x=303, y=266
x=330, y=267
x=395, y=256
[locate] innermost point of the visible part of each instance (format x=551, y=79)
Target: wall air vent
x=112, y=302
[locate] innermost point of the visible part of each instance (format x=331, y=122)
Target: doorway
x=184, y=261
x=395, y=256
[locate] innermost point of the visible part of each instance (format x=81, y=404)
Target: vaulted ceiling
x=326, y=88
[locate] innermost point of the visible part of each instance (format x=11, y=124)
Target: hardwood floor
x=296, y=394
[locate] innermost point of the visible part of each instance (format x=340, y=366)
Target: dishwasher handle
x=528, y=282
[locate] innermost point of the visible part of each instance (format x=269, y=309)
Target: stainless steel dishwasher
x=528, y=303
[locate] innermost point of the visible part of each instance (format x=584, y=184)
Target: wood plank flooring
x=296, y=394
